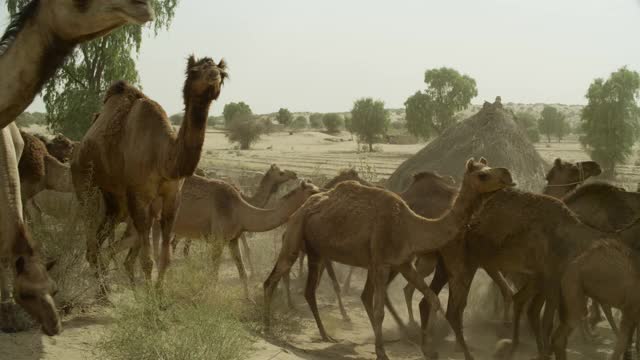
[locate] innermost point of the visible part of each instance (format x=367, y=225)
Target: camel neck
x=29, y=59
x=558, y=191
x=254, y=219
x=190, y=139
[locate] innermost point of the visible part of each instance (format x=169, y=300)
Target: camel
x=60, y=147
x=375, y=229
x=40, y=171
x=269, y=184
x=609, y=272
x=215, y=211
x=34, y=45
x=132, y=155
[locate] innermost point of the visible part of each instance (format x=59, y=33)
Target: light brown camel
x=373, y=228
x=60, y=147
x=41, y=171
x=215, y=211
x=608, y=272
x=269, y=184
x=34, y=45
x=132, y=155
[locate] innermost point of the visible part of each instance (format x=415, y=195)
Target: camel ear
x=50, y=264
x=21, y=265
x=470, y=164
x=557, y=162
x=191, y=62
x=484, y=161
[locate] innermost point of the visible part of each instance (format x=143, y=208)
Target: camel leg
x=336, y=288
x=105, y=230
x=216, y=255
x=140, y=213
x=424, y=268
x=606, y=309
x=408, y=299
x=440, y=279
x=156, y=235
x=237, y=258
x=380, y=276
x=595, y=316
x=552, y=302
x=300, y=265
x=391, y=308
x=367, y=297
x=287, y=286
x=170, y=205
x=346, y=285
x=314, y=266
x=505, y=291
x=533, y=316
x=519, y=301
x=627, y=325
x=247, y=253
x=459, y=286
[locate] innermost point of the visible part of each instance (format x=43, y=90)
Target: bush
x=299, y=123
x=315, y=121
x=233, y=110
x=244, y=130
x=284, y=117
x=332, y=122
x=194, y=318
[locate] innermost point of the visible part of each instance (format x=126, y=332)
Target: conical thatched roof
x=491, y=133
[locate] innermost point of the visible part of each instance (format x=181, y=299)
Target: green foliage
x=233, y=110
x=610, y=119
x=176, y=119
x=332, y=122
x=348, y=124
x=193, y=318
x=315, y=121
x=552, y=122
x=27, y=119
x=284, y=117
x=299, y=123
x=528, y=123
x=433, y=110
x=370, y=120
x=245, y=130
x=75, y=92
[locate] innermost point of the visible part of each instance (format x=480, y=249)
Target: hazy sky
x=322, y=55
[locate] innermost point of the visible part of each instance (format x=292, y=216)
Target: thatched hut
x=491, y=133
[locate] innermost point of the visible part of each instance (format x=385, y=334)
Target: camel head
x=276, y=176
x=77, y=21
x=302, y=192
x=567, y=173
x=480, y=178
x=61, y=148
x=33, y=289
x=204, y=79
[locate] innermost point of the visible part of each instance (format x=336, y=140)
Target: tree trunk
x=370, y=146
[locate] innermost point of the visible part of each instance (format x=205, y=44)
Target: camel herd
x=571, y=243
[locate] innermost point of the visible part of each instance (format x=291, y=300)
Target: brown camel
x=41, y=171
x=34, y=45
x=540, y=238
x=609, y=272
x=216, y=212
x=373, y=228
x=269, y=184
x=132, y=155
x=60, y=147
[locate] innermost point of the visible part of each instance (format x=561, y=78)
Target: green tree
x=75, y=92
x=528, y=123
x=563, y=128
x=231, y=110
x=315, y=121
x=369, y=120
x=610, y=119
x=176, y=119
x=348, y=125
x=284, y=117
x=433, y=109
x=550, y=121
x=299, y=123
x=245, y=130
x=332, y=122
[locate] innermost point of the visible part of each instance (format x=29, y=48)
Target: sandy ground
x=308, y=154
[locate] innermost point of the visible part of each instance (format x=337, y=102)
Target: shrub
x=299, y=123
x=332, y=122
x=315, y=121
x=244, y=130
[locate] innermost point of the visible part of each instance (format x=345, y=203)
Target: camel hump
x=121, y=87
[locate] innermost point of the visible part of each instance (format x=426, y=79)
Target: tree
x=245, y=130
x=563, y=128
x=369, y=120
x=75, y=92
x=528, y=123
x=610, y=119
x=315, y=121
x=284, y=117
x=332, y=122
x=176, y=119
x=233, y=110
x=433, y=110
x=348, y=125
x=299, y=123
x=552, y=122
